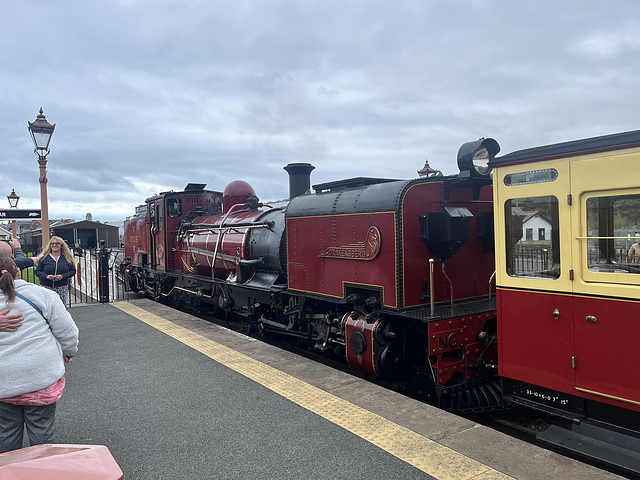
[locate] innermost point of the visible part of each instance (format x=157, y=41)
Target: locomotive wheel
x=237, y=323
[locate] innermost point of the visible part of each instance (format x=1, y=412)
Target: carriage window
x=533, y=237
x=534, y=176
x=174, y=207
x=613, y=233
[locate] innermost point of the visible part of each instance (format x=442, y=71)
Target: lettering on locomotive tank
x=366, y=250
x=447, y=342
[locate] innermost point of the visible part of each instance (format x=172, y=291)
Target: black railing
x=532, y=262
x=97, y=278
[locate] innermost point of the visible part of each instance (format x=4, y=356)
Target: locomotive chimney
x=299, y=178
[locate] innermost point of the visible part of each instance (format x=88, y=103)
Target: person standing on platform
x=633, y=256
x=32, y=359
x=56, y=267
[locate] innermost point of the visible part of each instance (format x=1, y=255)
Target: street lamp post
x=41, y=132
x=13, y=203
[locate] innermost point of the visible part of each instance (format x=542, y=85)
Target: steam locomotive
x=507, y=283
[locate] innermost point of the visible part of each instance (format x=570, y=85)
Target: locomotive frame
x=420, y=282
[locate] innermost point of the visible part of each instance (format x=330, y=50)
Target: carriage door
x=606, y=283
x=158, y=243
x=534, y=286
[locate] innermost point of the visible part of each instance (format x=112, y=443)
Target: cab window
x=533, y=237
x=159, y=217
x=613, y=233
x=174, y=207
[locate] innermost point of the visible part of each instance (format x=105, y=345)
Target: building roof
x=84, y=224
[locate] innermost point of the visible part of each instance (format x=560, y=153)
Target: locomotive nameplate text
x=365, y=250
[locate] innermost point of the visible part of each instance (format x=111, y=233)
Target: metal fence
x=538, y=262
x=532, y=261
x=97, y=278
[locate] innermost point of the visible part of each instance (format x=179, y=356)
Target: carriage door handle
x=591, y=318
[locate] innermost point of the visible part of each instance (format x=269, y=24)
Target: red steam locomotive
x=508, y=283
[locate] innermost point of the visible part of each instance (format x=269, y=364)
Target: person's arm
x=17, y=248
x=10, y=323
x=36, y=259
x=23, y=262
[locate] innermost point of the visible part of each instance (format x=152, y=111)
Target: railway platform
x=173, y=396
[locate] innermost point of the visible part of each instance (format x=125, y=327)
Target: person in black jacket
x=56, y=267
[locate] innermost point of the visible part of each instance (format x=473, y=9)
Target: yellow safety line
x=424, y=454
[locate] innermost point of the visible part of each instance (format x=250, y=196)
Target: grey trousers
x=38, y=420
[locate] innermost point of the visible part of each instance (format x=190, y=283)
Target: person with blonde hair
x=56, y=267
x=32, y=363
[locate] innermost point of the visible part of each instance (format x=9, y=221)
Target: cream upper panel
x=535, y=180
x=609, y=185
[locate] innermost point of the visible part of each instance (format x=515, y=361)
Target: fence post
x=103, y=273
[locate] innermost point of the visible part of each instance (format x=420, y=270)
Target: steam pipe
x=431, y=289
x=450, y=282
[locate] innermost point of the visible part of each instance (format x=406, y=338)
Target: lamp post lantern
x=13, y=203
x=41, y=132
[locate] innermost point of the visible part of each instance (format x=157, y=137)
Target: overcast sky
x=148, y=96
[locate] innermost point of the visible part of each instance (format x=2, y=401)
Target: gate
x=97, y=278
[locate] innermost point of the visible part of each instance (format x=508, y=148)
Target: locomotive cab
x=151, y=235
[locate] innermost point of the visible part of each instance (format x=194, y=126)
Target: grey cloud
x=149, y=96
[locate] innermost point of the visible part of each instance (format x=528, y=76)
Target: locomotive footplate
x=446, y=310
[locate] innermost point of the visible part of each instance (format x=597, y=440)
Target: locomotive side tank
x=378, y=235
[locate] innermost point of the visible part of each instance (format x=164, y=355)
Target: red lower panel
x=534, y=346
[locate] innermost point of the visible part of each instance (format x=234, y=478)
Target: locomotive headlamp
x=474, y=158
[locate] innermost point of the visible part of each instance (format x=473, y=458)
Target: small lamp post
x=41, y=132
x=13, y=203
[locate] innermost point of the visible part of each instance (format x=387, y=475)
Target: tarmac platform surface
x=176, y=397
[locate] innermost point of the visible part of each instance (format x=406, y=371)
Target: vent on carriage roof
x=195, y=186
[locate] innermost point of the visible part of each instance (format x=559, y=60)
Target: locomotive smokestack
x=299, y=178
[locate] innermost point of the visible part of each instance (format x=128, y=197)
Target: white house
x=535, y=227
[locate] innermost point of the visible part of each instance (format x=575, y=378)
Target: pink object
x=60, y=462
x=46, y=396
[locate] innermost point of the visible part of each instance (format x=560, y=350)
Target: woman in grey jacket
x=32, y=359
